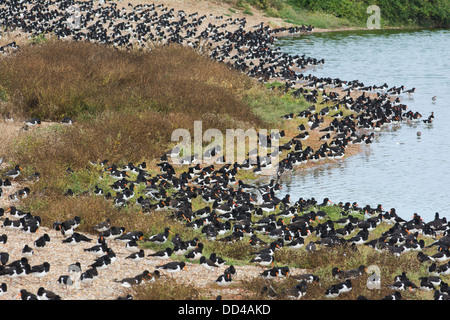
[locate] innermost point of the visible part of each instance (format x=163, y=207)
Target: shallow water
x=399, y=170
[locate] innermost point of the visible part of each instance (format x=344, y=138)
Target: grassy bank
x=330, y=14
x=138, y=99
x=126, y=106
x=291, y=13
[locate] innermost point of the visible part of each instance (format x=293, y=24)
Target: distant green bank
x=353, y=13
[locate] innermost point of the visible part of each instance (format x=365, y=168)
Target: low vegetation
x=399, y=13
x=126, y=105
x=169, y=289
x=331, y=14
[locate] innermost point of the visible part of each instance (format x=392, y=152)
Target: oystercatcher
x=98, y=249
x=113, y=233
x=173, y=267
x=208, y=264
x=26, y=295
x=89, y=276
x=160, y=238
x=103, y=226
x=299, y=290
x=224, y=279
x=14, y=173
x=76, y=238
x=65, y=280
x=40, y=270
x=43, y=294
x=136, y=256
x=41, y=242
x=162, y=254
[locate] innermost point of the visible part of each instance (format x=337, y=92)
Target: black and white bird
x=132, y=246
x=26, y=295
x=263, y=259
x=299, y=290
x=162, y=254
x=308, y=277
x=3, y=239
x=89, y=276
x=113, y=233
x=44, y=294
x=105, y=261
x=224, y=279
x=173, y=267
x=3, y=289
x=40, y=270
x=395, y=296
x=337, y=289
x=269, y=273
x=130, y=236
x=160, y=238
x=196, y=253
x=4, y=258
x=103, y=226
x=41, y=242
x=136, y=256
x=14, y=173
x=33, y=122
x=216, y=259
x=65, y=280
x=208, y=264
x=76, y=238
x=98, y=249
x=67, y=121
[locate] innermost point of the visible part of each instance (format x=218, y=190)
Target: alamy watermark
x=74, y=20
x=75, y=16
x=373, y=282
x=238, y=145
x=373, y=21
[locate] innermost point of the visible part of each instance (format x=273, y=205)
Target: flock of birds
x=144, y=25
x=234, y=210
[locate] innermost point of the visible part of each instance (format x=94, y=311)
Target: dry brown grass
x=127, y=103
x=57, y=78
x=8, y=134
x=321, y=263
x=166, y=288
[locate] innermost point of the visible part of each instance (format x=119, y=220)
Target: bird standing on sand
x=27, y=251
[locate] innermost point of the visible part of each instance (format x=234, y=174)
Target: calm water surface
x=399, y=170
